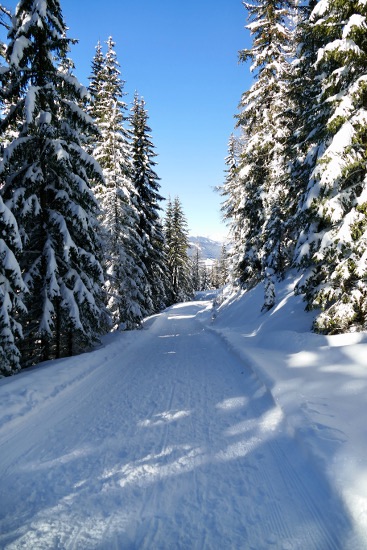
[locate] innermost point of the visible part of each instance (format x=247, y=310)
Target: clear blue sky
x=182, y=57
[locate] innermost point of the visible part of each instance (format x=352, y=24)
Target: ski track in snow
x=169, y=442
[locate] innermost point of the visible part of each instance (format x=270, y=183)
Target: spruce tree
x=93, y=103
x=215, y=279
x=125, y=273
x=306, y=122
x=97, y=82
x=223, y=266
x=260, y=206
x=334, y=237
x=148, y=199
x=177, y=244
x=204, y=277
x=11, y=285
x=168, y=229
x=195, y=277
x=47, y=176
x=232, y=206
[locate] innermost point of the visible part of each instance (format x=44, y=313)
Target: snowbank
x=320, y=383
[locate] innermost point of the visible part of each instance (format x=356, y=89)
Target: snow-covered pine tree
x=262, y=204
x=95, y=89
x=11, y=285
x=269, y=293
x=204, y=277
x=305, y=119
x=177, y=244
x=97, y=81
x=125, y=272
x=215, y=280
x=223, y=266
x=334, y=240
x=168, y=238
x=195, y=276
x=148, y=198
x=46, y=175
x=232, y=206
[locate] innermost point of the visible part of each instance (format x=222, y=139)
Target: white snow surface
x=211, y=428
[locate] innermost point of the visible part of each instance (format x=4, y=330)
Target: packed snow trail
x=168, y=441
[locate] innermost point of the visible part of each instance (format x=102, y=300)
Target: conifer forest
x=85, y=244
x=295, y=193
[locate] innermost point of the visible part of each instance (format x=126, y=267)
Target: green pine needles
x=300, y=177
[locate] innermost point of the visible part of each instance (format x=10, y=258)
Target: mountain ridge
x=209, y=249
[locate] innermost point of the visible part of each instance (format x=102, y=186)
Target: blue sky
x=182, y=57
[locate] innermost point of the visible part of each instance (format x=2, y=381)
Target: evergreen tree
x=195, y=277
x=148, y=198
x=168, y=229
x=334, y=237
x=204, y=277
x=97, y=82
x=223, y=266
x=47, y=178
x=215, y=279
x=177, y=244
x=93, y=102
x=269, y=293
x=232, y=206
x=306, y=122
x=260, y=207
x=125, y=273
x=11, y=284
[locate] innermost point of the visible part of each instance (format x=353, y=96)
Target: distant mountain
x=208, y=249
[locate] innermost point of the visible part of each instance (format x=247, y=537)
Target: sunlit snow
x=235, y=430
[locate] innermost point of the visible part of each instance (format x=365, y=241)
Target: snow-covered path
x=165, y=440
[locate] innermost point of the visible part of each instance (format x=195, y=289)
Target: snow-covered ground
x=208, y=429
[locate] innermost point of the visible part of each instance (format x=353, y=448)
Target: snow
x=320, y=9
x=44, y=117
x=356, y=20
x=9, y=264
x=9, y=220
x=11, y=149
x=319, y=382
x=41, y=7
x=209, y=428
x=20, y=44
x=335, y=164
x=30, y=102
x=344, y=45
x=81, y=90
